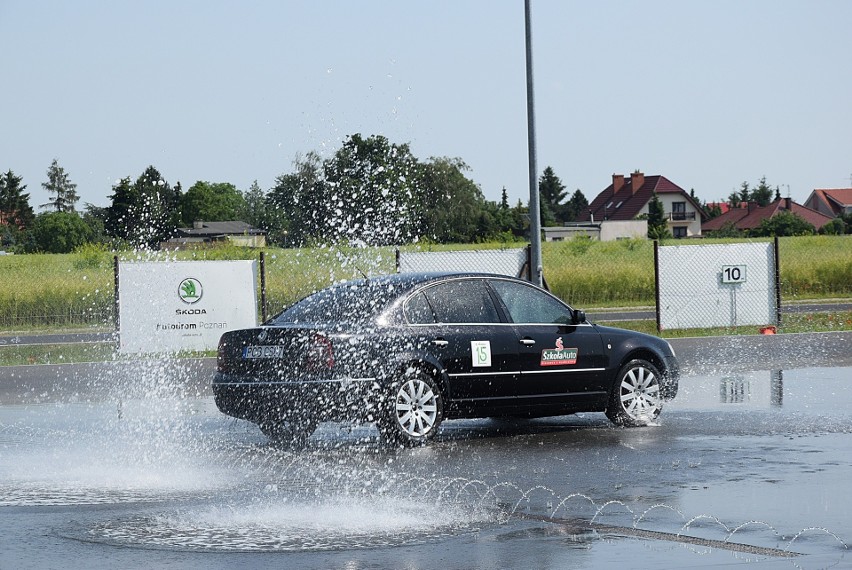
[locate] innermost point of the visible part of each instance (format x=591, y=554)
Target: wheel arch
x=647, y=354
x=420, y=361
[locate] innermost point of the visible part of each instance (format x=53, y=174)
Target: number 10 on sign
x=733, y=274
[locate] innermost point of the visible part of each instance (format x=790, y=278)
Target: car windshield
x=352, y=302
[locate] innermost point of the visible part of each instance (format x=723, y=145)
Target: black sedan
x=409, y=350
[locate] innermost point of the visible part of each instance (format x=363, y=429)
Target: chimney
x=637, y=179
x=617, y=182
x=787, y=202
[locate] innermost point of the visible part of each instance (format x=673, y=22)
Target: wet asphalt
x=130, y=465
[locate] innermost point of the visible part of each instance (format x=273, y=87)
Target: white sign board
x=184, y=305
x=716, y=285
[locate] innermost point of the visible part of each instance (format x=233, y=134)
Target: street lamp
x=535, y=209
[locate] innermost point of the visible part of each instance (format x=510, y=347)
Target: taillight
x=320, y=354
x=220, y=354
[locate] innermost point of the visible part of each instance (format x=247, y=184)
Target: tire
x=414, y=409
x=635, y=399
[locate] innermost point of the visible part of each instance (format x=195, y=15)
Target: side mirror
x=579, y=316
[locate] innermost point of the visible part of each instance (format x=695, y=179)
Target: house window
x=678, y=211
x=679, y=232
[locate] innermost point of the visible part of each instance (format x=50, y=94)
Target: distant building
x=236, y=233
x=749, y=216
x=602, y=231
x=627, y=198
x=831, y=202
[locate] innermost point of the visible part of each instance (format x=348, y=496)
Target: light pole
x=535, y=209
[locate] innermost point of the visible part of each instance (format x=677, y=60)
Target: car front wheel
x=415, y=409
x=635, y=399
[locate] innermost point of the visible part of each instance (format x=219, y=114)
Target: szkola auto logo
x=559, y=355
x=190, y=290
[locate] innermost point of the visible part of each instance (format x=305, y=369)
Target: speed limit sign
x=733, y=274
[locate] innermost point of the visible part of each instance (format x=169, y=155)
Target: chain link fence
x=717, y=285
x=77, y=291
x=56, y=291
x=512, y=262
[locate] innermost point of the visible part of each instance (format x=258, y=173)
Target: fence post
x=263, y=287
x=397, y=260
x=657, y=282
x=777, y=285
x=116, y=307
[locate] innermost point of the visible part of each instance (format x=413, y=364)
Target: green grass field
x=50, y=292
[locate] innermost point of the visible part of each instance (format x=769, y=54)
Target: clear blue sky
x=708, y=94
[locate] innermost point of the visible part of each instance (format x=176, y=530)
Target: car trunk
x=276, y=354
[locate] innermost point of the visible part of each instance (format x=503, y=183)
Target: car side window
x=418, y=311
x=462, y=301
x=527, y=304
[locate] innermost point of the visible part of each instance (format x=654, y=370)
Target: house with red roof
x=627, y=198
x=832, y=202
x=749, y=216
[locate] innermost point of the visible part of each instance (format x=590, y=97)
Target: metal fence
x=717, y=285
x=513, y=262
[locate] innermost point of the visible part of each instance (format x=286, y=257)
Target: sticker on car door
x=558, y=356
x=481, y=352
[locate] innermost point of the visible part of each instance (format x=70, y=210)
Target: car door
x=558, y=359
x=476, y=347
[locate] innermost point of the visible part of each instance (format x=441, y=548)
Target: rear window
x=355, y=302
x=462, y=301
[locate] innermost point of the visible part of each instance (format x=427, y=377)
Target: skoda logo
x=262, y=335
x=190, y=290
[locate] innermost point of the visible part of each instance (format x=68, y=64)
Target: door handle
x=440, y=342
x=527, y=341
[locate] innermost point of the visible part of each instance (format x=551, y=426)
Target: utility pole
x=535, y=208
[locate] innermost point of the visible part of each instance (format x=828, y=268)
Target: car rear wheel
x=415, y=409
x=635, y=399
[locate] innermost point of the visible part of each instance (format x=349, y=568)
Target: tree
x=657, y=225
x=738, y=197
x=95, y=217
x=835, y=227
x=59, y=232
x=453, y=207
x=257, y=211
x=762, y=194
x=520, y=220
x=212, y=202
x=784, y=224
x=120, y=221
x=60, y=185
x=576, y=206
x=552, y=193
x=371, y=189
x=15, y=209
x=298, y=200
x=713, y=211
x=144, y=213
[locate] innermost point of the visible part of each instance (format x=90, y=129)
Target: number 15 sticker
x=481, y=350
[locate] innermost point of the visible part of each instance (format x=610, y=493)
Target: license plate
x=268, y=351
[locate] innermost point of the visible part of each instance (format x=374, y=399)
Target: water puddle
x=282, y=525
x=174, y=474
